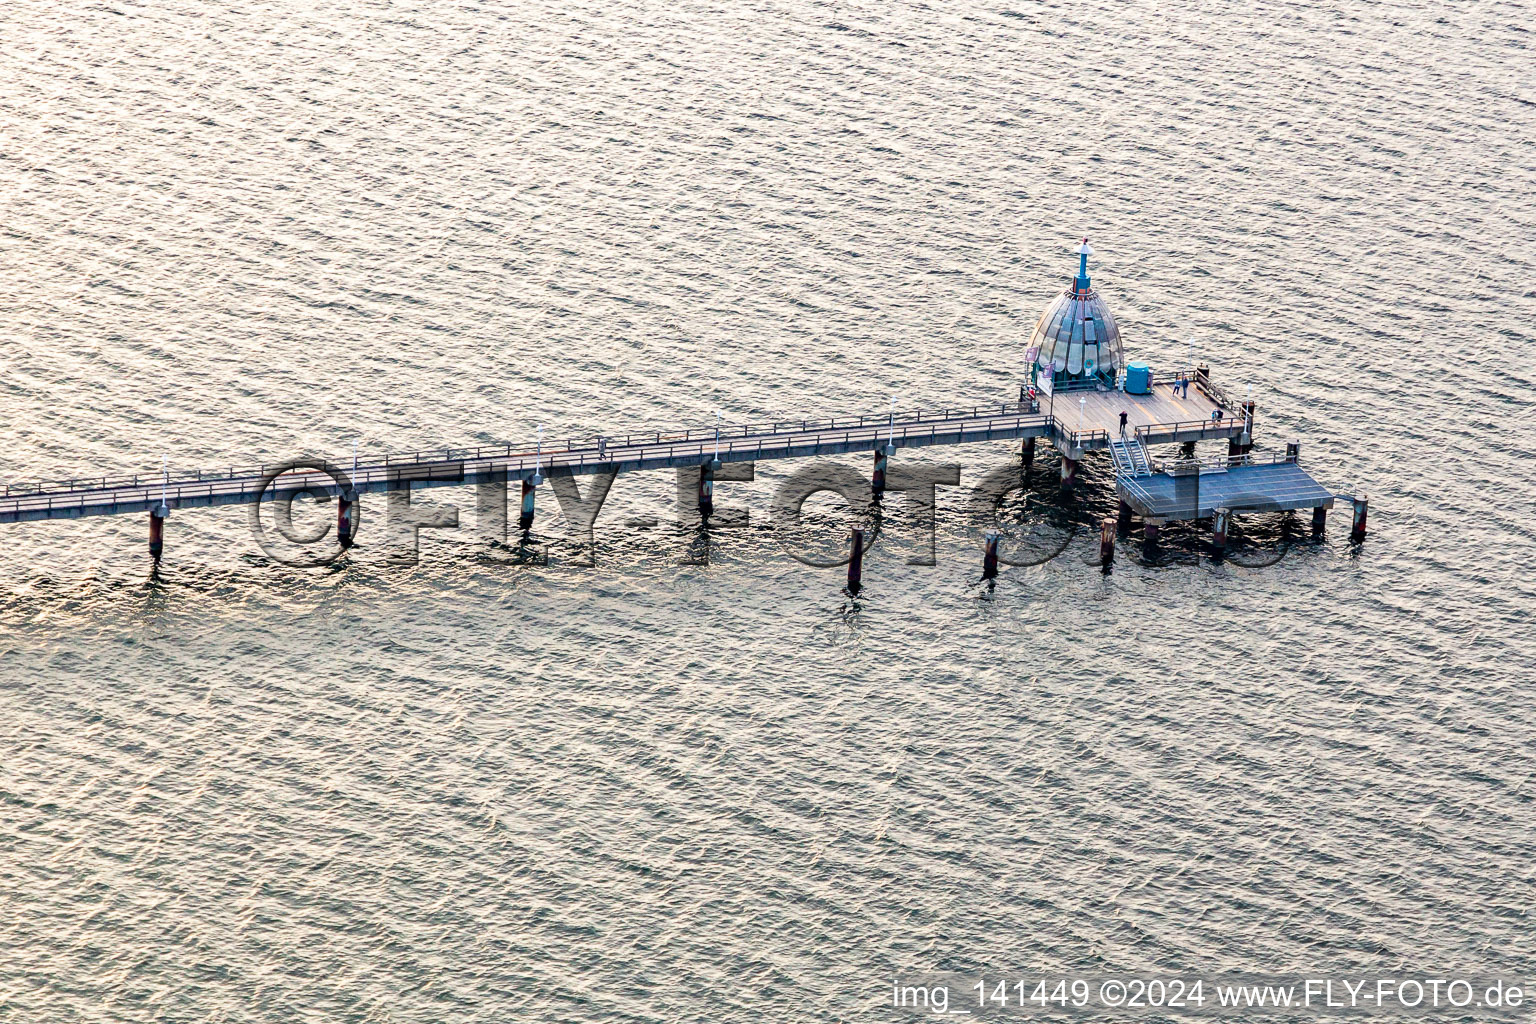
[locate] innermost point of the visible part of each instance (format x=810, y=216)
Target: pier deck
x=73, y=499
x=1156, y=418
x=1254, y=484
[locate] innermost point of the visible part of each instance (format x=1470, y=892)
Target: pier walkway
x=1178, y=489
x=73, y=499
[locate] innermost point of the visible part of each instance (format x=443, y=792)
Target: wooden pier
x=77, y=498
x=1089, y=398
x=1073, y=421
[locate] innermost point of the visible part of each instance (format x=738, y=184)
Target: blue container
x=1138, y=378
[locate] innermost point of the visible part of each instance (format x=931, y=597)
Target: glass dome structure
x=1076, y=335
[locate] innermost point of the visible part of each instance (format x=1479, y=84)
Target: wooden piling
x=157, y=531
x=1357, y=527
x=1123, y=519
x=989, y=559
x=877, y=481
x=1068, y=472
x=1149, y=531
x=856, y=561
x=1107, y=542
x=1029, y=454
x=706, y=491
x=1219, y=527
x=344, y=518
x=1319, y=521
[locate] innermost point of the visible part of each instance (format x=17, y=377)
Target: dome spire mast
x=1076, y=337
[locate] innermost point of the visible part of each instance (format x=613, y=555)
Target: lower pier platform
x=1195, y=490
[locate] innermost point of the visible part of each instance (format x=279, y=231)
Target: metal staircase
x=1130, y=457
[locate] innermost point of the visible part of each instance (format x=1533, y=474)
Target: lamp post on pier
x=707, y=476
x=525, y=518
x=1247, y=436
x=344, y=502
x=158, y=513
x=883, y=455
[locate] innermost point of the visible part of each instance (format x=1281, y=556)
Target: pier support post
x=692, y=490
x=1247, y=427
x=1068, y=472
x=1187, y=450
x=856, y=561
x=1029, y=454
x=1319, y=522
x=1357, y=527
x=1123, y=520
x=525, y=519
x=1219, y=527
x=877, y=481
x=344, y=518
x=1234, y=449
x=157, y=531
x=1293, y=451
x=989, y=558
x=706, y=490
x=1149, y=532
x=1107, y=542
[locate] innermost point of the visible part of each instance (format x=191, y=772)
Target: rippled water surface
x=486, y=789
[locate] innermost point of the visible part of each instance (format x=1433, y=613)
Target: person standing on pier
x=1123, y=417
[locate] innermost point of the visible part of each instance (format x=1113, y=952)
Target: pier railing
x=1213, y=391
x=1221, y=463
x=1079, y=438
x=681, y=447
x=1063, y=387
x=1130, y=484
x=1206, y=428
x=478, y=453
x=450, y=464
x=1217, y=394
